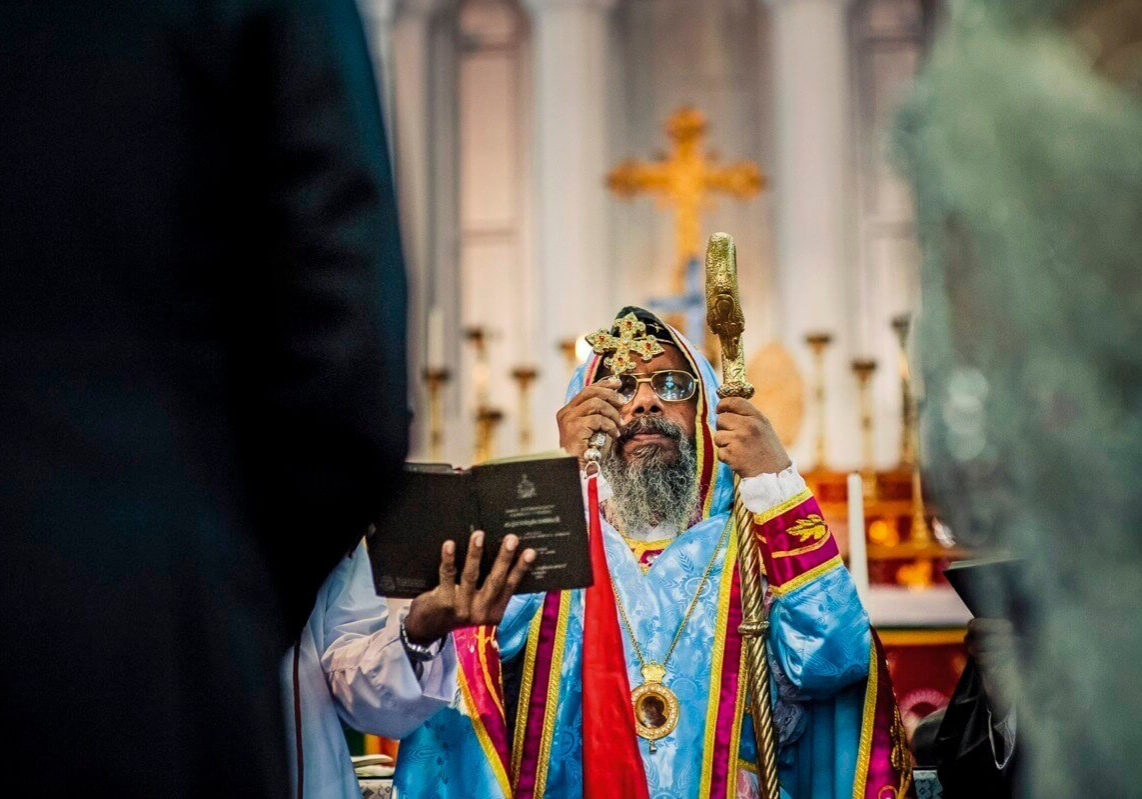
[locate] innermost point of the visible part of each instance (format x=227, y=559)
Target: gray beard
x=653, y=488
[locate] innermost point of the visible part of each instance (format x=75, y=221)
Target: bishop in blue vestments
x=672, y=558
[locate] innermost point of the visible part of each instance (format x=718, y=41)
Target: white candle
x=435, y=338
x=858, y=553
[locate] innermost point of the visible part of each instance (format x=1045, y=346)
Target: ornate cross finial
x=631, y=341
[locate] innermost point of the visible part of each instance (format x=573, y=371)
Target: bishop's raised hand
x=594, y=409
x=746, y=440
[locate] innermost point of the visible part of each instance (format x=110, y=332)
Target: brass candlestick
x=486, y=420
x=900, y=325
x=567, y=350
x=921, y=532
x=435, y=378
x=818, y=342
x=864, y=368
x=524, y=377
x=478, y=338
x=909, y=434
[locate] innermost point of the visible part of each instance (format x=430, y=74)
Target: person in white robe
x=351, y=665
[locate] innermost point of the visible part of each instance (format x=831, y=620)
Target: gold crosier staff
x=726, y=321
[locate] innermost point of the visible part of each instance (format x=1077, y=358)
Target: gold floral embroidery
x=811, y=528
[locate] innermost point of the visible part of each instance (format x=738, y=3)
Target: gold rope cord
x=754, y=629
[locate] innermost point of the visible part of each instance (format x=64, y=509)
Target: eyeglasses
x=670, y=385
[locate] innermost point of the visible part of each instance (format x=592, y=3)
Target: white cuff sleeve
x=768, y=490
x=437, y=677
x=378, y=690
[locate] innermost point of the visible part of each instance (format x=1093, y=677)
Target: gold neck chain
x=642, y=662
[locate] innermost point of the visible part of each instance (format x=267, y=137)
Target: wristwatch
x=419, y=653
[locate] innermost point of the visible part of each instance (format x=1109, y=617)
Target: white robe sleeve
x=764, y=491
x=374, y=685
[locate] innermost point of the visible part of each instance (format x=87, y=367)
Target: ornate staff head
x=724, y=313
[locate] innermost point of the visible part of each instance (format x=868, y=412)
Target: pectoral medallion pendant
x=655, y=706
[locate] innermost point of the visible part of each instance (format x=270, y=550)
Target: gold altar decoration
x=863, y=368
x=910, y=434
x=921, y=532
x=780, y=390
x=726, y=321
x=900, y=326
x=570, y=359
x=902, y=549
x=818, y=342
x=524, y=376
x=686, y=181
x=481, y=375
x=897, y=554
x=487, y=419
x=435, y=378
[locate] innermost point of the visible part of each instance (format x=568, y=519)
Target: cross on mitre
x=631, y=341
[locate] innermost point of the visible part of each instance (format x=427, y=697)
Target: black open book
x=538, y=499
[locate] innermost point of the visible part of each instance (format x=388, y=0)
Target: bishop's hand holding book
x=456, y=603
x=530, y=510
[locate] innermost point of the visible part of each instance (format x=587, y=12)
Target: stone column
x=811, y=187
x=411, y=86
x=573, y=281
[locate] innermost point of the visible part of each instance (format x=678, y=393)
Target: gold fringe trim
x=784, y=507
x=724, y=593
x=866, y=726
x=807, y=577
x=525, y=687
x=553, y=682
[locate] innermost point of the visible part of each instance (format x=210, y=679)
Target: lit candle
x=858, y=553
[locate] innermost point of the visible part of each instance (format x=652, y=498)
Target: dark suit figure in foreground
x=975, y=748
x=202, y=385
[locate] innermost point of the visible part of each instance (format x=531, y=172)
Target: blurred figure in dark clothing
x=975, y=749
x=202, y=380
x=924, y=739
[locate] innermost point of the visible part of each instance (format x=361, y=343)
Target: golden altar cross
x=685, y=181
